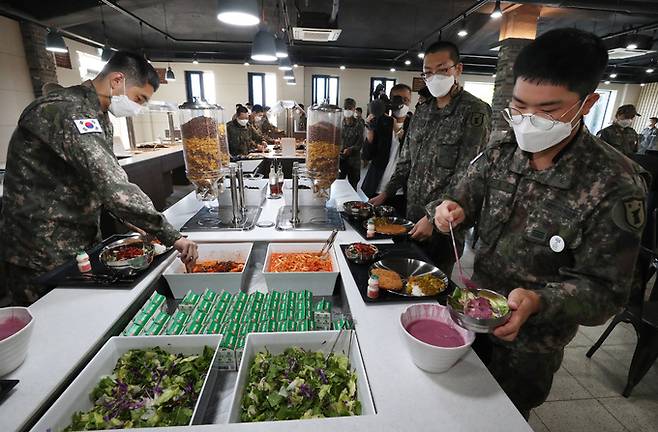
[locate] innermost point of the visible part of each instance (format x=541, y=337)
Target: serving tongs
x=468, y=284
x=329, y=243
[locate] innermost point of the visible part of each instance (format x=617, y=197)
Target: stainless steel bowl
x=384, y=211
x=407, y=267
x=359, y=258
x=131, y=266
x=475, y=324
x=358, y=209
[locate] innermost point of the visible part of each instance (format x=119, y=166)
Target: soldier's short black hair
x=301, y=106
x=241, y=110
x=257, y=108
x=135, y=67
x=359, y=109
x=400, y=86
x=349, y=102
x=444, y=46
x=566, y=57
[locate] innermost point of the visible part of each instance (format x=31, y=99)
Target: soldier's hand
x=523, y=303
x=379, y=199
x=422, y=230
x=188, y=252
x=446, y=212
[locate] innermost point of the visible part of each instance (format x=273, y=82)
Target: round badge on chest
x=557, y=244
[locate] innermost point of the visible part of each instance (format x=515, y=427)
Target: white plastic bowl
x=428, y=357
x=14, y=348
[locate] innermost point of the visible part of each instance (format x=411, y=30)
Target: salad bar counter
x=266, y=333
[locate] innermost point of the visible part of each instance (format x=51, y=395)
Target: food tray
x=276, y=343
x=76, y=396
x=181, y=282
x=319, y=283
x=357, y=224
x=361, y=274
x=68, y=275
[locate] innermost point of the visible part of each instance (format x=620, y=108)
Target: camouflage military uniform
x=438, y=146
x=351, y=137
x=624, y=139
x=58, y=177
x=242, y=139
x=263, y=129
x=570, y=232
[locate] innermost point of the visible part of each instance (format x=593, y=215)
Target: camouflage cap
x=627, y=110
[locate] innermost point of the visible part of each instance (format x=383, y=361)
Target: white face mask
x=348, y=113
x=440, y=85
x=122, y=105
x=243, y=122
x=401, y=112
x=533, y=139
x=625, y=122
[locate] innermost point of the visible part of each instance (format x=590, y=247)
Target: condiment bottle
x=279, y=176
x=370, y=228
x=373, y=287
x=83, y=262
x=273, y=181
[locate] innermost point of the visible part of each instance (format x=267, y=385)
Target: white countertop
x=465, y=398
x=147, y=154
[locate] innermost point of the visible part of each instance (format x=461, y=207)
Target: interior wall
x=15, y=86
x=647, y=105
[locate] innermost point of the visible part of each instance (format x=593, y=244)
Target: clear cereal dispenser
x=323, y=141
x=200, y=128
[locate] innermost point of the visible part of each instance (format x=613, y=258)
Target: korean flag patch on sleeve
x=88, y=126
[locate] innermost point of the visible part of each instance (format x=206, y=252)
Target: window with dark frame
x=388, y=84
x=324, y=88
x=256, y=88
x=194, y=85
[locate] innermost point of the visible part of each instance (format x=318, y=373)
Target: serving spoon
x=468, y=284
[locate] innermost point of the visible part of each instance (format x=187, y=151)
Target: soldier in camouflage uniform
x=559, y=216
x=351, y=141
x=620, y=134
x=61, y=170
x=444, y=135
x=262, y=125
x=242, y=137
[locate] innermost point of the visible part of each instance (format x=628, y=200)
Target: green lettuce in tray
x=149, y=387
x=299, y=384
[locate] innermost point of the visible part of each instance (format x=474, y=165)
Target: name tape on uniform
x=88, y=126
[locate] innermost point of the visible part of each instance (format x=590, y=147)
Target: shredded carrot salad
x=299, y=262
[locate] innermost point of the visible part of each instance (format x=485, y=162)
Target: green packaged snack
x=245, y=318
x=132, y=330
x=244, y=329
x=226, y=353
x=274, y=294
x=290, y=326
x=212, y=328
x=157, y=298
x=225, y=297
x=252, y=327
x=310, y=325
x=161, y=318
x=149, y=308
x=198, y=317
x=191, y=298
x=232, y=328
x=141, y=319
x=223, y=307
x=204, y=306
x=281, y=326
x=272, y=326
x=287, y=296
x=209, y=295
x=181, y=317
x=263, y=327
x=240, y=297
x=342, y=323
x=258, y=297
x=302, y=314
x=153, y=329
x=305, y=295
x=194, y=328
x=302, y=326
x=217, y=315
x=174, y=328
x=282, y=315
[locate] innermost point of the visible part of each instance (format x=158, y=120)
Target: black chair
x=643, y=315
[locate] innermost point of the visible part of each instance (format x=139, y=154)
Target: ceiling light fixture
x=195, y=60
x=462, y=30
x=238, y=12
x=642, y=84
x=246, y=63
x=281, y=48
x=291, y=82
x=650, y=70
x=55, y=42
x=497, y=12
x=342, y=67
x=295, y=65
x=392, y=69
x=263, y=48
x=606, y=82
x=613, y=75
x=631, y=46
x=289, y=75
x=407, y=62
x=284, y=64
x=421, y=55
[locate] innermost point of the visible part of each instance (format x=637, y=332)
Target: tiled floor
x=586, y=394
